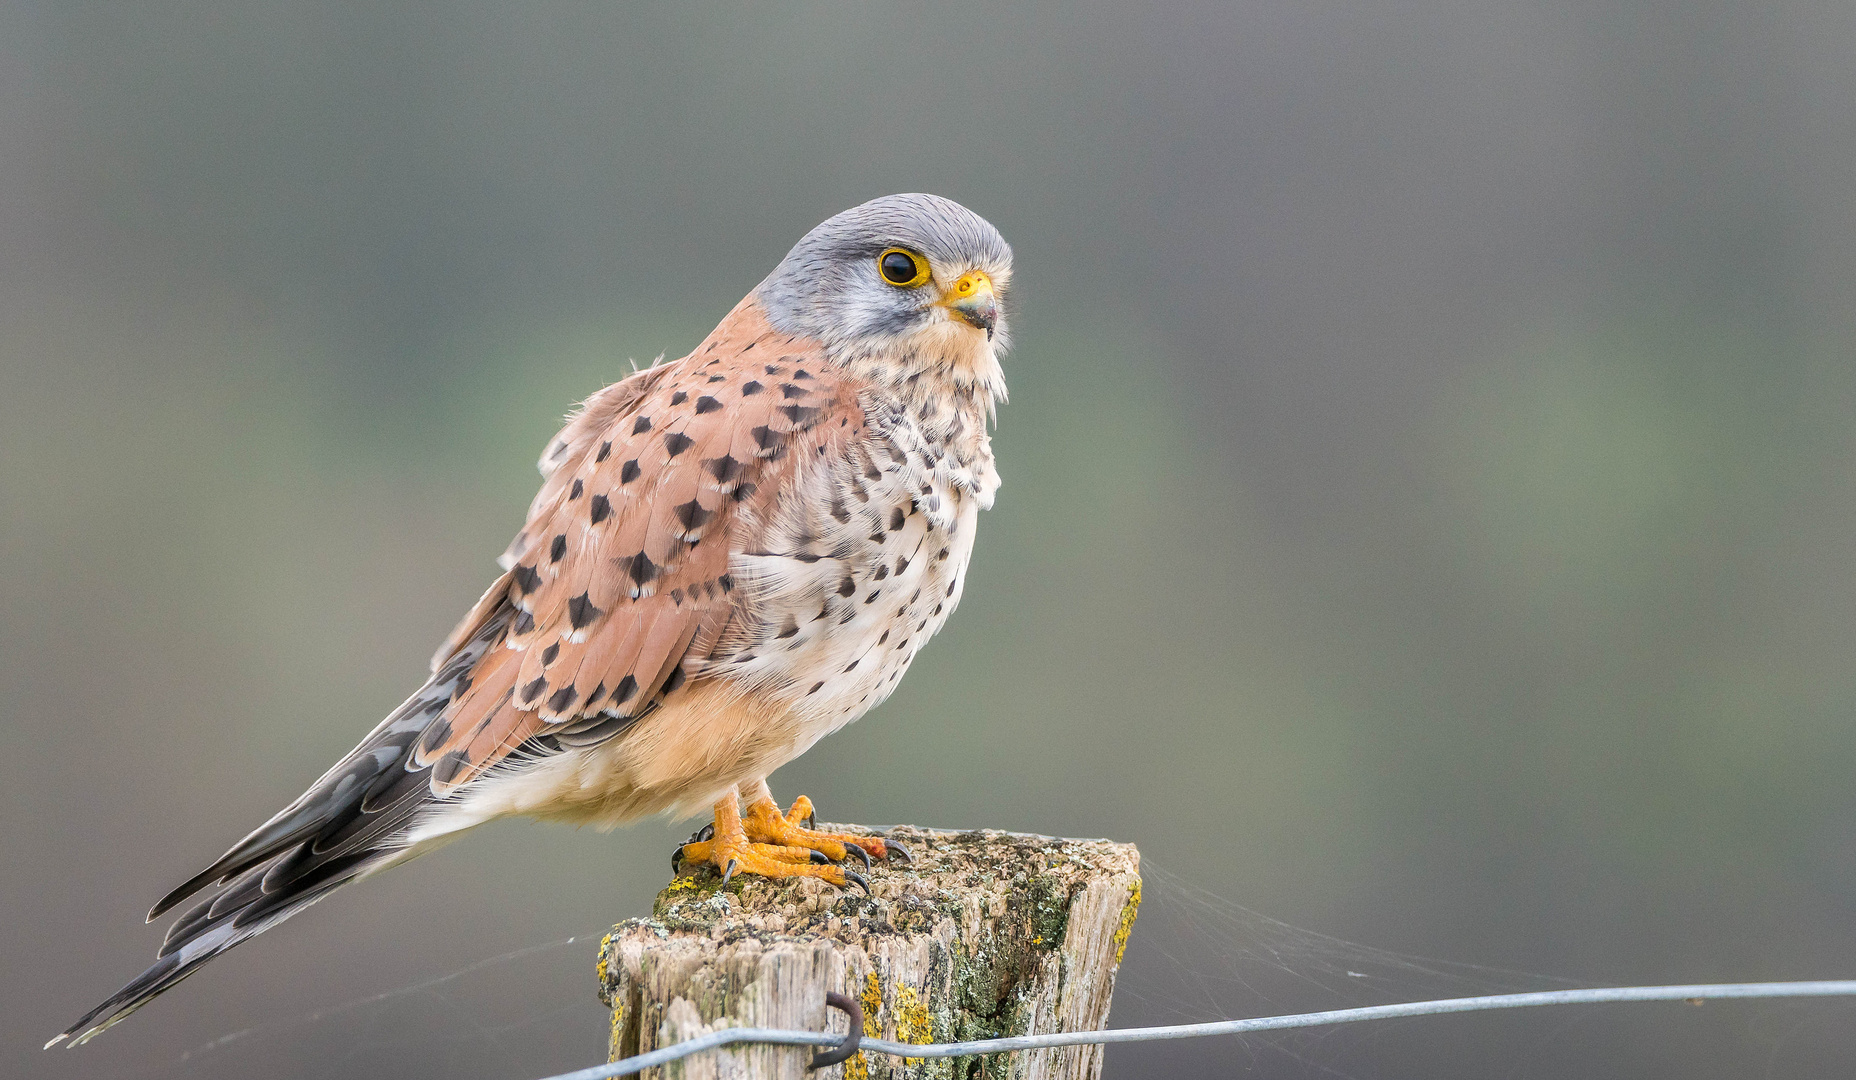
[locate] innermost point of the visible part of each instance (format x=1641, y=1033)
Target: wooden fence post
x=985, y=934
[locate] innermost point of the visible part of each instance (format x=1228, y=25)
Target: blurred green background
x=1429, y=510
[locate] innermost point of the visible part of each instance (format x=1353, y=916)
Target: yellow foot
x=726, y=846
x=766, y=824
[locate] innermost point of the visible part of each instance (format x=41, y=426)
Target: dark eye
x=902, y=268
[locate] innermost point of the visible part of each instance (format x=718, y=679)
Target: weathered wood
x=986, y=934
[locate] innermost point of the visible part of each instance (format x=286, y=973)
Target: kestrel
x=731, y=556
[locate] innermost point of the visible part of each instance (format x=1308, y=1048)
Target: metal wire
x=1601, y=995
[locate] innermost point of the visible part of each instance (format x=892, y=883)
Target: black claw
x=707, y=832
x=857, y=879
x=728, y=873
x=820, y=857
x=894, y=850
x=861, y=853
x=676, y=860
x=811, y=821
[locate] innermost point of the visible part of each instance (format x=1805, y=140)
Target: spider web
x=1197, y=956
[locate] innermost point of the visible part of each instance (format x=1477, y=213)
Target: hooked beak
x=971, y=300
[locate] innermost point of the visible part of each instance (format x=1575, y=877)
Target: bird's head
x=911, y=280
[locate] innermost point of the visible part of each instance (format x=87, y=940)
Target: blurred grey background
x=1429, y=511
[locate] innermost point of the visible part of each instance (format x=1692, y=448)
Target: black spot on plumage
x=641, y=425
x=599, y=509
x=787, y=629
x=679, y=398
x=771, y=370
x=624, y=691
x=642, y=569
x=941, y=556
x=526, y=578
x=706, y=404
x=952, y=585
x=896, y=519
x=852, y=666
x=936, y=611
x=550, y=654
x=766, y=438
x=743, y=492
x=727, y=582
x=561, y=699
x=874, y=593
x=847, y=586
x=676, y=442
x=676, y=680
x=878, y=536
x=596, y=693
x=676, y=597
x=750, y=388
x=748, y=347
x=580, y=611
x=557, y=548
x=692, y=515
x=629, y=471
x=839, y=513
x=605, y=451
x=884, y=638
x=718, y=378
x=578, y=489
x=902, y=563
x=881, y=573
x=789, y=391
x=800, y=415
x=533, y=690
x=815, y=688
x=724, y=468
x=802, y=373
x=524, y=623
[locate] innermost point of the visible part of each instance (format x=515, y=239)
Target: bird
x=731, y=556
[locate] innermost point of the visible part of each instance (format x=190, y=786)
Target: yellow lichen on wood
x=1128, y=913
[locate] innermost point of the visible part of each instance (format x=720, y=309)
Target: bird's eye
x=902, y=268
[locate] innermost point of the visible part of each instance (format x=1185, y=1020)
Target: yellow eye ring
x=902, y=268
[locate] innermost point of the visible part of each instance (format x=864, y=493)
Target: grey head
x=877, y=276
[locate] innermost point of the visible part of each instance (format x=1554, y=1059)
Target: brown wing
x=622, y=567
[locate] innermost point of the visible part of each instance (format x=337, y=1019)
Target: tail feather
x=349, y=824
x=198, y=936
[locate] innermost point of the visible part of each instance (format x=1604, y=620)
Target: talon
x=820, y=857
x=861, y=853
x=676, y=860
x=728, y=873
x=857, y=879
x=707, y=832
x=894, y=850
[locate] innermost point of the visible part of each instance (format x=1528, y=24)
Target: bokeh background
x=1429, y=513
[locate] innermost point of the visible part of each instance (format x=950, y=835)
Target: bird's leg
x=766, y=824
x=732, y=852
